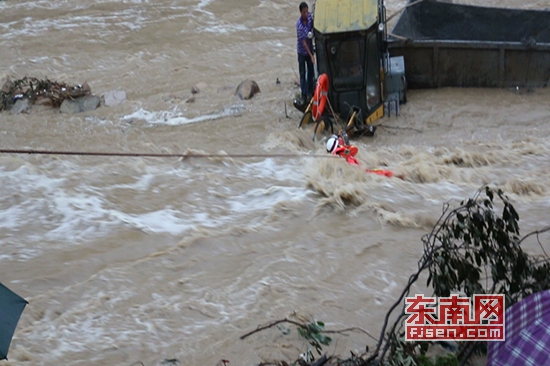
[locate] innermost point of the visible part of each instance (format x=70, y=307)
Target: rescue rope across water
x=160, y=155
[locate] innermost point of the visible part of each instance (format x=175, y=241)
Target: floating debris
x=33, y=89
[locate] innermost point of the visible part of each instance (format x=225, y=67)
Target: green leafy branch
x=474, y=249
x=313, y=333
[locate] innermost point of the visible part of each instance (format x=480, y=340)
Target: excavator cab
x=351, y=49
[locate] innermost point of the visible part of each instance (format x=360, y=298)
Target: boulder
x=22, y=105
x=113, y=98
x=86, y=88
x=82, y=104
x=247, y=89
x=6, y=85
x=197, y=88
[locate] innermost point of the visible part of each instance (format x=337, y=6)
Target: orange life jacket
x=347, y=152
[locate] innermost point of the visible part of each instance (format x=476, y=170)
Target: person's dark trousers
x=306, y=76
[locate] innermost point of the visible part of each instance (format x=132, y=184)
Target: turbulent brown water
x=146, y=259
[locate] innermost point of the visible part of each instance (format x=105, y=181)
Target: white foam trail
x=204, y=3
x=234, y=28
x=161, y=221
x=262, y=199
x=174, y=118
x=269, y=168
x=102, y=26
x=73, y=210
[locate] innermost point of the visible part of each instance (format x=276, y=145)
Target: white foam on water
x=73, y=210
x=80, y=329
x=102, y=25
x=204, y=3
x=270, y=168
x=167, y=220
x=98, y=120
x=222, y=28
x=9, y=218
x=235, y=28
x=262, y=199
x=59, y=4
x=175, y=117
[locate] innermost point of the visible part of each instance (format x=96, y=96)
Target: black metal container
x=447, y=44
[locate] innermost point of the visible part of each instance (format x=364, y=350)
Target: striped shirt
x=302, y=29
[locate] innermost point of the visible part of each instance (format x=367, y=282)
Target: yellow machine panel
x=336, y=16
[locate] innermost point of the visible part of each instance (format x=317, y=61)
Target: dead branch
x=272, y=325
x=342, y=331
x=305, y=326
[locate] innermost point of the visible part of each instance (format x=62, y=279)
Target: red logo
x=455, y=318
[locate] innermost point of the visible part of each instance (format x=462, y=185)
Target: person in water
x=340, y=145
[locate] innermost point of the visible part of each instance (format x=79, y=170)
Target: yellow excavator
x=364, y=83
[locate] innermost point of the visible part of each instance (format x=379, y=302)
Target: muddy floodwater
x=126, y=259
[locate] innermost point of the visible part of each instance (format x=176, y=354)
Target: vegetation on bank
x=474, y=248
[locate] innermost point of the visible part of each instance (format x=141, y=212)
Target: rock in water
x=113, y=98
x=78, y=105
x=22, y=105
x=197, y=88
x=6, y=85
x=88, y=103
x=247, y=89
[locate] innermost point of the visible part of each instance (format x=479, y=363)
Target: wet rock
x=247, y=89
x=88, y=103
x=22, y=105
x=85, y=88
x=79, y=105
x=197, y=88
x=113, y=98
x=6, y=85
x=69, y=106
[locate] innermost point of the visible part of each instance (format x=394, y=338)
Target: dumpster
x=446, y=44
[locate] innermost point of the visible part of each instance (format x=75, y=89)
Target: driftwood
x=34, y=89
x=305, y=326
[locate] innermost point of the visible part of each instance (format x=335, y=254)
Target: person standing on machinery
x=306, y=58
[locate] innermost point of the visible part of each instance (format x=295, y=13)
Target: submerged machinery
x=364, y=81
x=367, y=69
